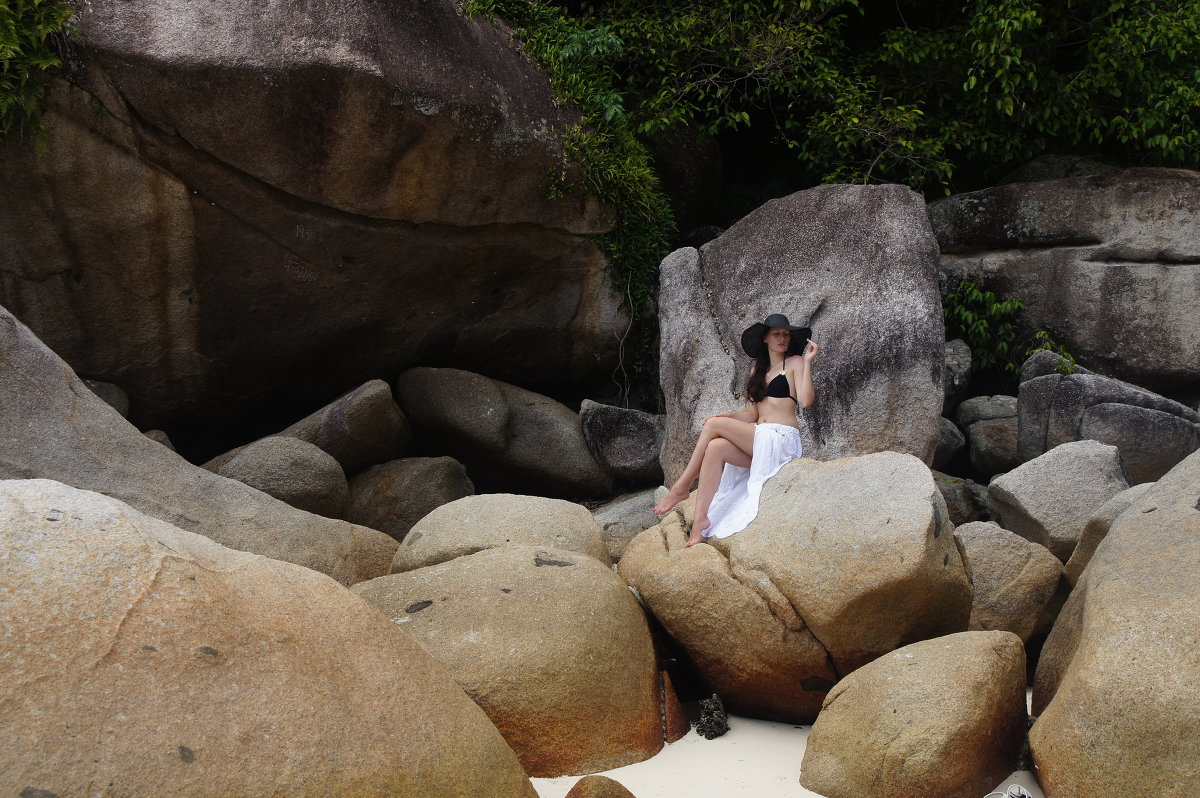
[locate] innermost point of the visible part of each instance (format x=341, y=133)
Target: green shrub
x=33, y=37
x=988, y=324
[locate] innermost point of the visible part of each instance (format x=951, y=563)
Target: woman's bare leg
x=740, y=433
x=719, y=452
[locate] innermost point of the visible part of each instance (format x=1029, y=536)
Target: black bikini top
x=779, y=387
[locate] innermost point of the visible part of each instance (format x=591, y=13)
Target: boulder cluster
x=443, y=583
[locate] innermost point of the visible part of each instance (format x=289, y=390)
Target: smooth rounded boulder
x=1117, y=688
x=55, y=428
x=1097, y=527
x=507, y=437
x=625, y=441
x=857, y=264
x=391, y=497
x=549, y=642
x=941, y=718
x=1048, y=500
x=847, y=560
x=475, y=523
x=1014, y=579
x=150, y=660
x=294, y=472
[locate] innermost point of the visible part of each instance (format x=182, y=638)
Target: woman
x=739, y=451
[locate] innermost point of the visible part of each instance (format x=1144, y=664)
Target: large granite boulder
x=626, y=517
x=1153, y=433
x=140, y=659
x=56, y=428
x=391, y=497
x=475, y=523
x=358, y=429
x=1014, y=579
x=1105, y=261
x=294, y=472
x=508, y=438
x=858, y=264
x=549, y=642
x=966, y=500
x=1117, y=688
x=1097, y=527
x=847, y=560
x=941, y=718
x=301, y=195
x=1049, y=499
x=625, y=441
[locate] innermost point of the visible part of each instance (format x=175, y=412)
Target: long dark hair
x=756, y=385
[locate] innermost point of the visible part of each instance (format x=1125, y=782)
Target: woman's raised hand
x=812, y=351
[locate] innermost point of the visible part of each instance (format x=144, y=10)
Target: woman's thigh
x=729, y=453
x=739, y=433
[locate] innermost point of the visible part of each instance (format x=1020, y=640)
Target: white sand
x=756, y=758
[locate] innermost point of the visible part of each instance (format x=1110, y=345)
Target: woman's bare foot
x=668, y=503
x=698, y=526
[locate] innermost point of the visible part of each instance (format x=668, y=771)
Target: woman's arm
x=803, y=386
x=749, y=415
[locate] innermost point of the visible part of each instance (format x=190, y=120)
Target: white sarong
x=736, y=502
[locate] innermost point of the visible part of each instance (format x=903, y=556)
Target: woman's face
x=777, y=340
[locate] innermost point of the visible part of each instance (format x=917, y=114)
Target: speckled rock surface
x=1049, y=499
x=293, y=471
x=153, y=661
x=94, y=448
x=549, y=642
x=626, y=517
x=942, y=717
x=624, y=441
x=1117, y=688
x=475, y=523
x=858, y=264
x=1014, y=579
x=846, y=560
x=1097, y=527
x=1106, y=261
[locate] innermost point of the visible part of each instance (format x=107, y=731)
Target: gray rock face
x=55, y=428
x=391, y=497
x=985, y=408
x=1043, y=362
x=625, y=442
x=950, y=442
x=1151, y=442
x=1051, y=410
x=1097, y=527
x=1106, y=261
x=145, y=656
x=507, y=437
x=1123, y=657
x=942, y=717
x=846, y=561
x=1049, y=499
x=292, y=471
x=477, y=523
x=364, y=158
x=549, y=642
x=994, y=445
x=626, y=517
x=1014, y=579
x=965, y=499
x=958, y=371
x=855, y=263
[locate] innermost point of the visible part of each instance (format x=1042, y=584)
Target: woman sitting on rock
x=742, y=450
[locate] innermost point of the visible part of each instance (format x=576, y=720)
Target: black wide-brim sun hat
x=752, y=338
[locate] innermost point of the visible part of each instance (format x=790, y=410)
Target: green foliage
x=31, y=39
x=988, y=324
